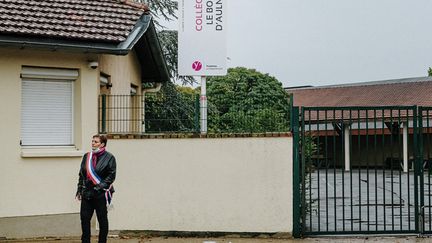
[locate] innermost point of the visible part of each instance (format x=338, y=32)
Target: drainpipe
x=154, y=89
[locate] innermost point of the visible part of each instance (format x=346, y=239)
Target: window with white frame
x=47, y=106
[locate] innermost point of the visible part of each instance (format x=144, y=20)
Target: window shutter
x=47, y=112
x=49, y=73
x=47, y=106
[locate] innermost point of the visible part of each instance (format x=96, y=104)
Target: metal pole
x=197, y=113
x=297, y=197
x=143, y=120
x=203, y=105
x=103, y=113
x=347, y=147
x=405, y=146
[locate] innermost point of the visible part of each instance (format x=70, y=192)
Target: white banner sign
x=202, y=37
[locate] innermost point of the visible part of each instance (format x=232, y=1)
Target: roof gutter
x=155, y=88
x=137, y=32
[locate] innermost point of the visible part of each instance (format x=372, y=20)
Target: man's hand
x=78, y=196
x=96, y=188
x=99, y=187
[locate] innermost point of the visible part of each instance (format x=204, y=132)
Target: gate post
x=418, y=160
x=418, y=185
x=296, y=173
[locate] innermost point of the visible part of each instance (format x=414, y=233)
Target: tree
x=164, y=8
x=173, y=109
x=430, y=72
x=169, y=43
x=246, y=100
x=243, y=101
x=168, y=38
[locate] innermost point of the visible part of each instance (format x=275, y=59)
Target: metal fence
x=358, y=170
x=425, y=152
x=180, y=113
x=362, y=170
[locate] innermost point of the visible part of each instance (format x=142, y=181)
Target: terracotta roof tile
x=101, y=20
x=408, y=92
x=405, y=92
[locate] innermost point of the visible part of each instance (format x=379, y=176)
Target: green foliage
x=167, y=38
x=173, y=108
x=170, y=110
x=430, y=72
x=169, y=43
x=164, y=8
x=247, y=101
x=243, y=101
x=310, y=147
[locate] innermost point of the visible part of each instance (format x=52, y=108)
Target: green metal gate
x=362, y=170
x=425, y=162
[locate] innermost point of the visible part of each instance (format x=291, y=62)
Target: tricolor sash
x=94, y=177
x=108, y=196
x=91, y=170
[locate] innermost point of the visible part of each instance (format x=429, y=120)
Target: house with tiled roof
x=57, y=58
x=348, y=121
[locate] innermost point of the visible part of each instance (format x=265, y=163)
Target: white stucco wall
x=224, y=185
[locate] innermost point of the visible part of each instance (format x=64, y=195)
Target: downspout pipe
x=154, y=89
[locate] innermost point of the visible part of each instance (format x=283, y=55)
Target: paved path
x=411, y=239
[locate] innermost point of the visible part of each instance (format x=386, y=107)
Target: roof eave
x=143, y=30
x=149, y=51
x=122, y=48
x=145, y=41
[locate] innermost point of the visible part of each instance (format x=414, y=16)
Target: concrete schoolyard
x=364, y=200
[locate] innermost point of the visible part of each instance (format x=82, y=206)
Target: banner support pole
x=203, y=105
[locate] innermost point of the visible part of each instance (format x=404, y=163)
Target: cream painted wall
x=239, y=184
x=39, y=186
x=124, y=71
x=46, y=185
x=225, y=185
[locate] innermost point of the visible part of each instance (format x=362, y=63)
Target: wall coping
x=196, y=135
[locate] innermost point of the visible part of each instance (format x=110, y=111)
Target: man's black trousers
x=88, y=206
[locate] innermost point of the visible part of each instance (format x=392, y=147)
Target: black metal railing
x=359, y=170
x=180, y=113
x=425, y=160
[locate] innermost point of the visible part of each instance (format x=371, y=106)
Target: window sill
x=50, y=151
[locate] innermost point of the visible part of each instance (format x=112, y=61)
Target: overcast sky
x=317, y=42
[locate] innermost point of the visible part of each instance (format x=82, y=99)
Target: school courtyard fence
x=362, y=170
x=180, y=113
